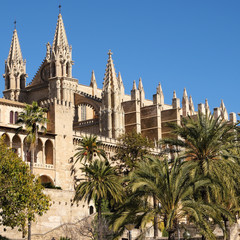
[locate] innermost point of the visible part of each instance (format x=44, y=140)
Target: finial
x=110, y=53
x=15, y=24
x=174, y=94
x=60, y=8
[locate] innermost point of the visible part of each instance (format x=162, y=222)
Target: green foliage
x=132, y=147
x=101, y=180
x=89, y=148
x=33, y=117
x=65, y=238
x=21, y=196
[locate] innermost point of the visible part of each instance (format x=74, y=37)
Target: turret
x=15, y=72
x=141, y=92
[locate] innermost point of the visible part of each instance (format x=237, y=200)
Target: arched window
x=16, y=117
x=11, y=117
x=49, y=152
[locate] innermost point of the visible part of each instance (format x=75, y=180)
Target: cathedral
x=75, y=110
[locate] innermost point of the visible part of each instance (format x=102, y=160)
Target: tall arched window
x=16, y=117
x=49, y=152
x=11, y=117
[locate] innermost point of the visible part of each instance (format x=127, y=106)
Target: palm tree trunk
x=31, y=170
x=155, y=221
x=100, y=220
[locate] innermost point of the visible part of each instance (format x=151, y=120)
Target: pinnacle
x=159, y=88
x=140, y=85
x=93, y=79
x=120, y=81
x=110, y=78
x=222, y=105
x=134, y=85
x=60, y=37
x=15, y=53
x=174, y=94
x=184, y=93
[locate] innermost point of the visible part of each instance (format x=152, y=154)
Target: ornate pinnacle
x=60, y=8
x=15, y=24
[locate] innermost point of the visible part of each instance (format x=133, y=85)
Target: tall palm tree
x=100, y=181
x=89, y=148
x=33, y=118
x=174, y=190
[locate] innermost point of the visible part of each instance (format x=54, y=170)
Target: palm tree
x=209, y=143
x=100, y=181
x=33, y=118
x=88, y=148
x=174, y=190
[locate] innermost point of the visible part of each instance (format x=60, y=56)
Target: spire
x=60, y=55
x=15, y=54
x=191, y=105
x=15, y=71
x=110, y=79
x=93, y=80
x=60, y=42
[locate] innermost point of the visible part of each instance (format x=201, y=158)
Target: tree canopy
x=21, y=195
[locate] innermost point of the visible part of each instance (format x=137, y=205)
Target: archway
x=6, y=139
x=39, y=152
x=16, y=145
x=49, y=152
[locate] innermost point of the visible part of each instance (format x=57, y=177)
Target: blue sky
x=180, y=43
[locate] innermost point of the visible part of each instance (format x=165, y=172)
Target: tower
x=15, y=72
x=111, y=113
x=59, y=56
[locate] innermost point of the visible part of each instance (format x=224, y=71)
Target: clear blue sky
x=180, y=43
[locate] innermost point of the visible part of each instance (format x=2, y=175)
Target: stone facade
x=75, y=110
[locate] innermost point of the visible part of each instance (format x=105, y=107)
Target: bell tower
x=15, y=71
